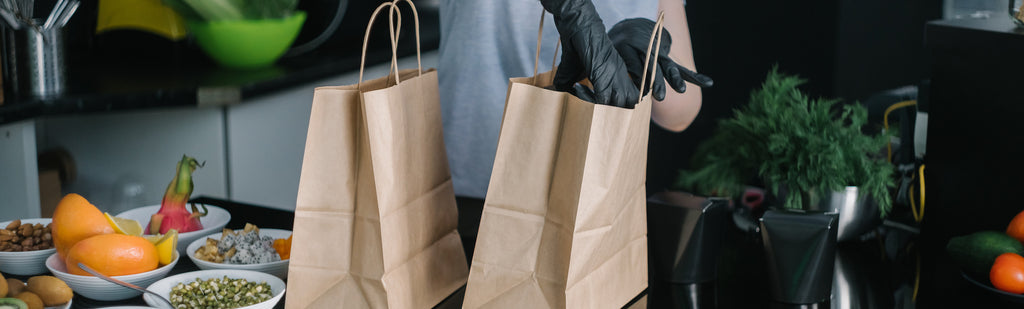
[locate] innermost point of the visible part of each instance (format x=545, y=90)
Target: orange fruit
x=113, y=255
x=1007, y=273
x=76, y=219
x=166, y=245
x=124, y=225
x=1016, y=227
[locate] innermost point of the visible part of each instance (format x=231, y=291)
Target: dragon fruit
x=172, y=213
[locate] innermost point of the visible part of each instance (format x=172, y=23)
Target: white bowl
x=99, y=289
x=66, y=305
x=214, y=221
x=25, y=263
x=278, y=268
x=163, y=287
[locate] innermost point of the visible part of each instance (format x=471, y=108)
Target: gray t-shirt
x=483, y=44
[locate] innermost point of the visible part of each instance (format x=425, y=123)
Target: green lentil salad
x=219, y=293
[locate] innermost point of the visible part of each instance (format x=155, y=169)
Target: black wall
x=848, y=49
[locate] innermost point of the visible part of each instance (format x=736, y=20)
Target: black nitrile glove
x=587, y=52
x=631, y=38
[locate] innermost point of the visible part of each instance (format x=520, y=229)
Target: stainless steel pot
x=858, y=213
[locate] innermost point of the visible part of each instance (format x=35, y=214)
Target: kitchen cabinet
x=19, y=181
x=126, y=159
x=126, y=125
x=252, y=150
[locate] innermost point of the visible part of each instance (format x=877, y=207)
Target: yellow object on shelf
x=147, y=15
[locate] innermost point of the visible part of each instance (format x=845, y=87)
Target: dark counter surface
x=877, y=279
x=99, y=81
x=974, y=34
x=470, y=210
x=876, y=271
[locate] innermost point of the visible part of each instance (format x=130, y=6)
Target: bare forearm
x=678, y=110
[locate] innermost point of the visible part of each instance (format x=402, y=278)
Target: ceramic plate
x=985, y=285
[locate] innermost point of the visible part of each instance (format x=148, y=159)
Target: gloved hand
x=631, y=38
x=587, y=52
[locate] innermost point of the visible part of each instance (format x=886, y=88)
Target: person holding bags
x=483, y=43
x=588, y=52
x=564, y=218
x=563, y=223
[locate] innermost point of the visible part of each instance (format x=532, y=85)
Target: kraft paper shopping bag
x=564, y=220
x=375, y=219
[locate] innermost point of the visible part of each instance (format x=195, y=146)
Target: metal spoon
x=124, y=284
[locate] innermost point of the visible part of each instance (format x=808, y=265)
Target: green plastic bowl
x=247, y=44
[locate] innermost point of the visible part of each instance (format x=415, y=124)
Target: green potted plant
x=808, y=153
x=801, y=149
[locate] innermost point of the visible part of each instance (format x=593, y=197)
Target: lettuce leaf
x=222, y=10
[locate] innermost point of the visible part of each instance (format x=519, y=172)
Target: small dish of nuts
x=219, y=288
x=24, y=246
x=245, y=243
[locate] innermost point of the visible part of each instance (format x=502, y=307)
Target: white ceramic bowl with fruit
x=25, y=263
x=277, y=268
x=99, y=289
x=214, y=221
x=164, y=287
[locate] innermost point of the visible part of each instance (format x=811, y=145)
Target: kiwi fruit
x=31, y=300
x=3, y=286
x=14, y=286
x=51, y=290
x=12, y=303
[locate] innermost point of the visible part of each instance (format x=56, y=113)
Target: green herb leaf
x=788, y=140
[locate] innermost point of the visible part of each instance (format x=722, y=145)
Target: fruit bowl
x=277, y=268
x=984, y=284
x=25, y=263
x=163, y=287
x=213, y=222
x=99, y=289
x=66, y=305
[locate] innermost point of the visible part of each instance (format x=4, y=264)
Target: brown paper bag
x=375, y=219
x=564, y=221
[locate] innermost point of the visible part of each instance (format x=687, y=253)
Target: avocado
x=976, y=252
x=12, y=303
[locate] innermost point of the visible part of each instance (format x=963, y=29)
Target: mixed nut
x=19, y=236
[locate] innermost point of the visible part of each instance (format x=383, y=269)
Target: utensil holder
x=33, y=62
